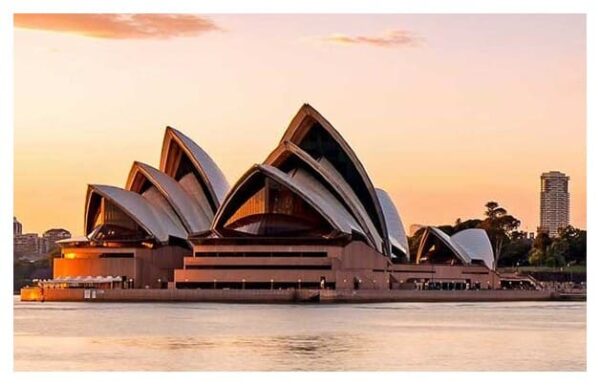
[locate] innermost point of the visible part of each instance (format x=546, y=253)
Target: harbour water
x=392, y=336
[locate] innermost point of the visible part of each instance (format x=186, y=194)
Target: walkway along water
x=291, y=295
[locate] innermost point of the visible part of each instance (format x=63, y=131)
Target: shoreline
x=326, y=296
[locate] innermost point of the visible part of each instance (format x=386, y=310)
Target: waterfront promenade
x=291, y=295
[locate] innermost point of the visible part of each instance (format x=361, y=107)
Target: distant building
x=32, y=246
x=27, y=245
x=52, y=236
x=554, y=202
x=17, y=227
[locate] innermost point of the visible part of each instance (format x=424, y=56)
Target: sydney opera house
x=309, y=216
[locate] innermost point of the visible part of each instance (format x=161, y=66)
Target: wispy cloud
x=119, y=26
x=394, y=38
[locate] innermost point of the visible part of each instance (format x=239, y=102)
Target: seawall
x=290, y=296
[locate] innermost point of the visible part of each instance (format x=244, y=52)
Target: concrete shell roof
x=330, y=206
x=72, y=240
x=213, y=176
x=445, y=238
x=191, y=214
x=303, y=185
x=300, y=126
x=152, y=219
x=476, y=243
x=335, y=181
x=394, y=224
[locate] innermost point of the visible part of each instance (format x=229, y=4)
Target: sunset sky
x=445, y=112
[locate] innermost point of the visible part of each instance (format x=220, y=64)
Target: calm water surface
x=398, y=336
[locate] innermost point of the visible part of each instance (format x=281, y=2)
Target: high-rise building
x=17, y=227
x=32, y=246
x=27, y=245
x=554, y=202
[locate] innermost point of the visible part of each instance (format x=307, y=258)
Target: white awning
x=81, y=280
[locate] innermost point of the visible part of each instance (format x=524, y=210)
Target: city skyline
x=464, y=118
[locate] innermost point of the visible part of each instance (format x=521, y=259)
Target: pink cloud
x=395, y=38
x=119, y=26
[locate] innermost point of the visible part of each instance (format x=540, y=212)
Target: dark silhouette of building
x=17, y=227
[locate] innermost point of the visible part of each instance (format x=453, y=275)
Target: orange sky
x=446, y=112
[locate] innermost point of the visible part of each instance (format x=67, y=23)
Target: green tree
x=493, y=210
x=536, y=257
x=22, y=270
x=576, y=240
x=517, y=235
x=498, y=224
x=468, y=224
x=541, y=243
x=557, y=253
x=516, y=250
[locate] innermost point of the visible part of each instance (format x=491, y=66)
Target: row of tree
x=569, y=248
x=513, y=247
x=25, y=270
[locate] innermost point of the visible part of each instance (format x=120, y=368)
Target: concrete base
x=290, y=295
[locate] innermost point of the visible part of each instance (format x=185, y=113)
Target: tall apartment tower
x=554, y=202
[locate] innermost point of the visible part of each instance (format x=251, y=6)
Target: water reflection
x=305, y=346
x=519, y=336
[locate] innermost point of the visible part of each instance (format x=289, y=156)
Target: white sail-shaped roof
x=302, y=126
x=303, y=185
x=212, y=177
x=334, y=181
x=191, y=214
x=476, y=243
x=394, y=224
x=468, y=245
x=156, y=221
x=314, y=191
x=456, y=248
x=353, y=201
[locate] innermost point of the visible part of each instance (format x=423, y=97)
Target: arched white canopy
x=300, y=183
x=456, y=249
x=314, y=134
x=154, y=220
x=213, y=179
x=476, y=243
x=335, y=183
x=395, y=228
x=468, y=245
x=193, y=216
